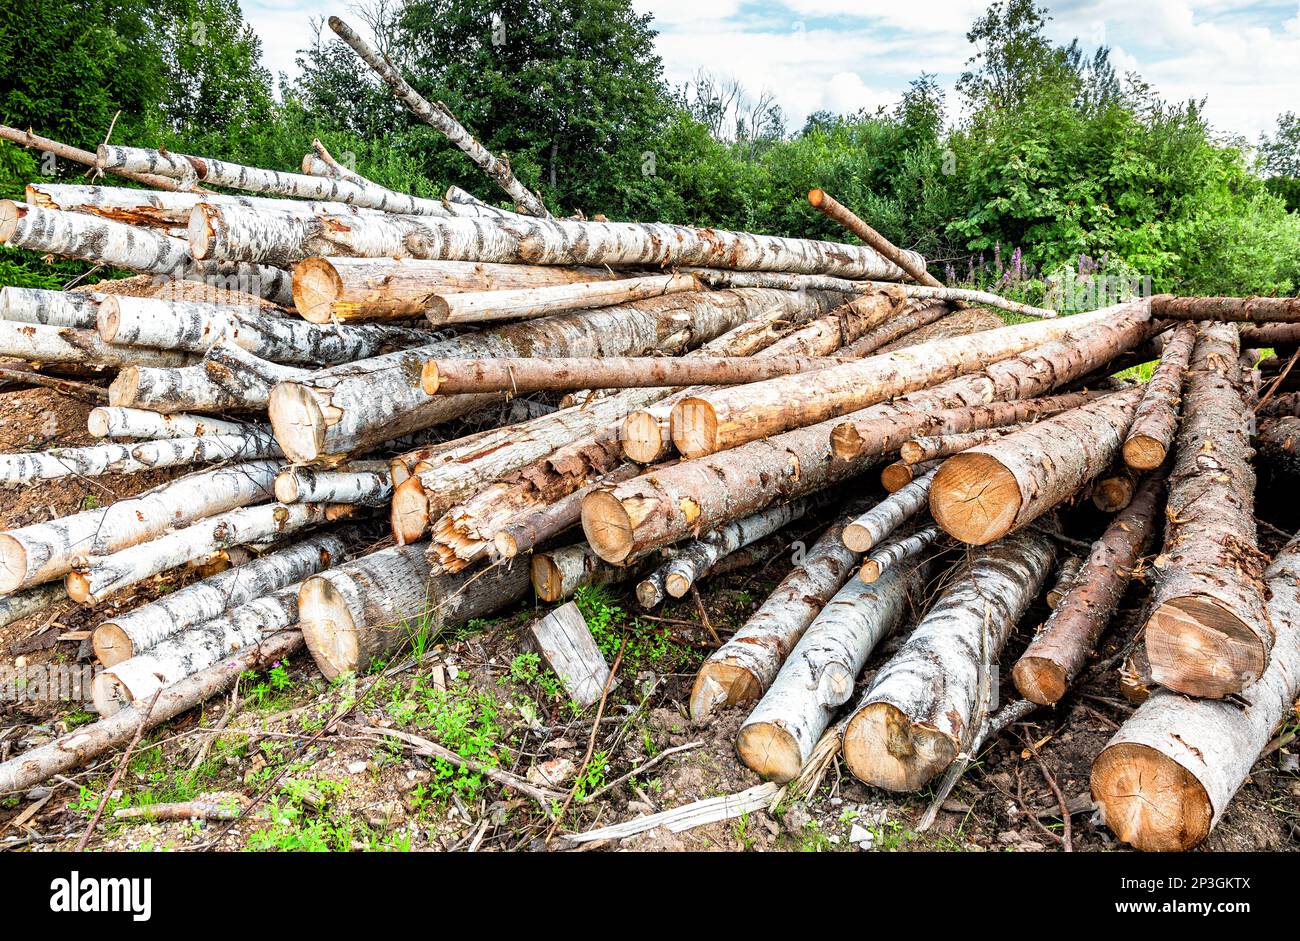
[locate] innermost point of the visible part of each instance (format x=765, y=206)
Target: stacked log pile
x=725, y=394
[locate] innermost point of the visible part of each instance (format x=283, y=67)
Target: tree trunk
x=352, y=486
x=1270, y=335
x=77, y=309
x=716, y=421
x=531, y=528
x=744, y=667
x=329, y=289
x=1057, y=654
x=932, y=447
x=911, y=263
x=909, y=320
x=38, y=343
x=229, y=379
x=77, y=155
x=1167, y=775
x=29, y=602
x=44, y=551
x=1114, y=490
x=197, y=327
x=1156, y=421
x=97, y=576
x=870, y=529
x=890, y=555
x=925, y=704
x=348, y=408
x=371, y=607
x=1280, y=433
x=899, y=474
x=817, y=678
x=1066, y=575
x=566, y=646
x=108, y=421
x=985, y=492
x=127, y=635
x=1233, y=309
x=526, y=303
x=558, y=573
x=1208, y=633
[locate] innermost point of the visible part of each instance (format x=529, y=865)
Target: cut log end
x=78, y=587
x=1150, y=801
x=974, y=498
x=111, y=644
x=643, y=438
x=409, y=512
x=506, y=545
x=13, y=564
x=10, y=213
x=328, y=629
x=109, y=694
x=607, y=525
x=894, y=477
x=721, y=684
x=846, y=441
x=816, y=197
x=109, y=318
x=870, y=571
x=1040, y=680
x=429, y=378
x=769, y=751
x=286, y=487
x=694, y=427
x=884, y=748
x=548, y=580
x=296, y=418
x=200, y=231
x=677, y=584
x=648, y=594
x=1112, y=494
x=911, y=453
x=316, y=285
x=97, y=423
x=857, y=538
x=1199, y=648
x=1144, y=453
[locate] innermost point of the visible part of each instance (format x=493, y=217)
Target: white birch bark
x=1166, y=777
x=923, y=705
x=898, y=551
x=25, y=603
x=523, y=303
x=558, y=573
x=39, y=343
x=867, y=531
x=744, y=667
x=197, y=327
x=371, y=607
x=77, y=309
x=818, y=676
x=693, y=560
x=230, y=378
x=127, y=635
x=316, y=485
x=97, y=576
x=108, y=421
x=43, y=551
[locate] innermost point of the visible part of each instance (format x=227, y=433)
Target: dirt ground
x=314, y=766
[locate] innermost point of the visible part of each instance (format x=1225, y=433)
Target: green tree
x=1279, y=158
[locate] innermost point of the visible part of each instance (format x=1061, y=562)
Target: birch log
x=77, y=155
x=1156, y=421
x=78, y=309
x=43, y=551
x=869, y=529
x=330, y=289
x=693, y=560
x=1231, y=309
x=369, y=608
x=925, y=703
x=1166, y=777
x=744, y=667
x=97, y=576
x=1057, y=654
x=126, y=635
x=985, y=492
x=1066, y=574
x=523, y=303
x=197, y=327
x=818, y=676
x=353, y=486
x=895, y=553
x=26, y=603
x=109, y=421
x=229, y=379
x=1208, y=633
x=39, y=343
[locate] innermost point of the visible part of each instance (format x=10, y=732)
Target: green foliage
x=464, y=719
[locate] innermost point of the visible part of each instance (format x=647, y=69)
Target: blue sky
x=841, y=55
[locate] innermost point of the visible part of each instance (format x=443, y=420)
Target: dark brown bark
x=1156, y=421
x=1235, y=309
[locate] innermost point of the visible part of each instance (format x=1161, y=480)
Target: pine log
x=870, y=529
x=531, y=528
x=349, y=485
x=1166, y=777
x=726, y=418
x=26, y=603
x=925, y=704
x=833, y=209
x=1231, y=309
x=909, y=320
x=892, y=554
x=899, y=474
x=1281, y=433
x=985, y=492
x=817, y=678
x=77, y=155
x=523, y=303
x=329, y=289
x=1286, y=405
x=96, y=576
x=1066, y=574
x=931, y=447
x=1208, y=633
x=109, y=421
x=39, y=343
x=197, y=327
x=368, y=609
x=1156, y=421
x=1114, y=489
x=1057, y=654
x=557, y=573
x=1135, y=683
x=133, y=632
x=1270, y=335
x=78, y=309
x=43, y=551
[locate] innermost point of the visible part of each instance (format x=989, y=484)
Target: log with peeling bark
x=726, y=418
x=1066, y=573
x=818, y=676
x=1208, y=633
x=353, y=484
x=743, y=668
x=78, y=309
x=1114, y=489
x=26, y=603
x=126, y=635
x=924, y=705
x=869, y=529
x=1231, y=309
x=558, y=573
x=39, y=343
x=229, y=379
x=1166, y=777
x=985, y=492
x=897, y=552
x=653, y=510
x=533, y=527
x=931, y=447
x=1059, y=651
x=899, y=474
x=197, y=327
x=1271, y=335
x=833, y=209
x=1282, y=433
x=329, y=289
x=910, y=319
x=525, y=303
x=346, y=408
x=43, y=551
x=109, y=421
x=1286, y=405
x=96, y=576
x=1156, y=421
x=85, y=157
x=367, y=609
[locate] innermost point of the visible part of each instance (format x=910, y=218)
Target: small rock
x=955, y=806
x=640, y=807
x=385, y=815
x=560, y=744
x=1030, y=846
x=418, y=775
x=356, y=767
x=1289, y=762
x=796, y=817
x=836, y=801
x=552, y=773
x=859, y=834
x=20, y=662
x=37, y=793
